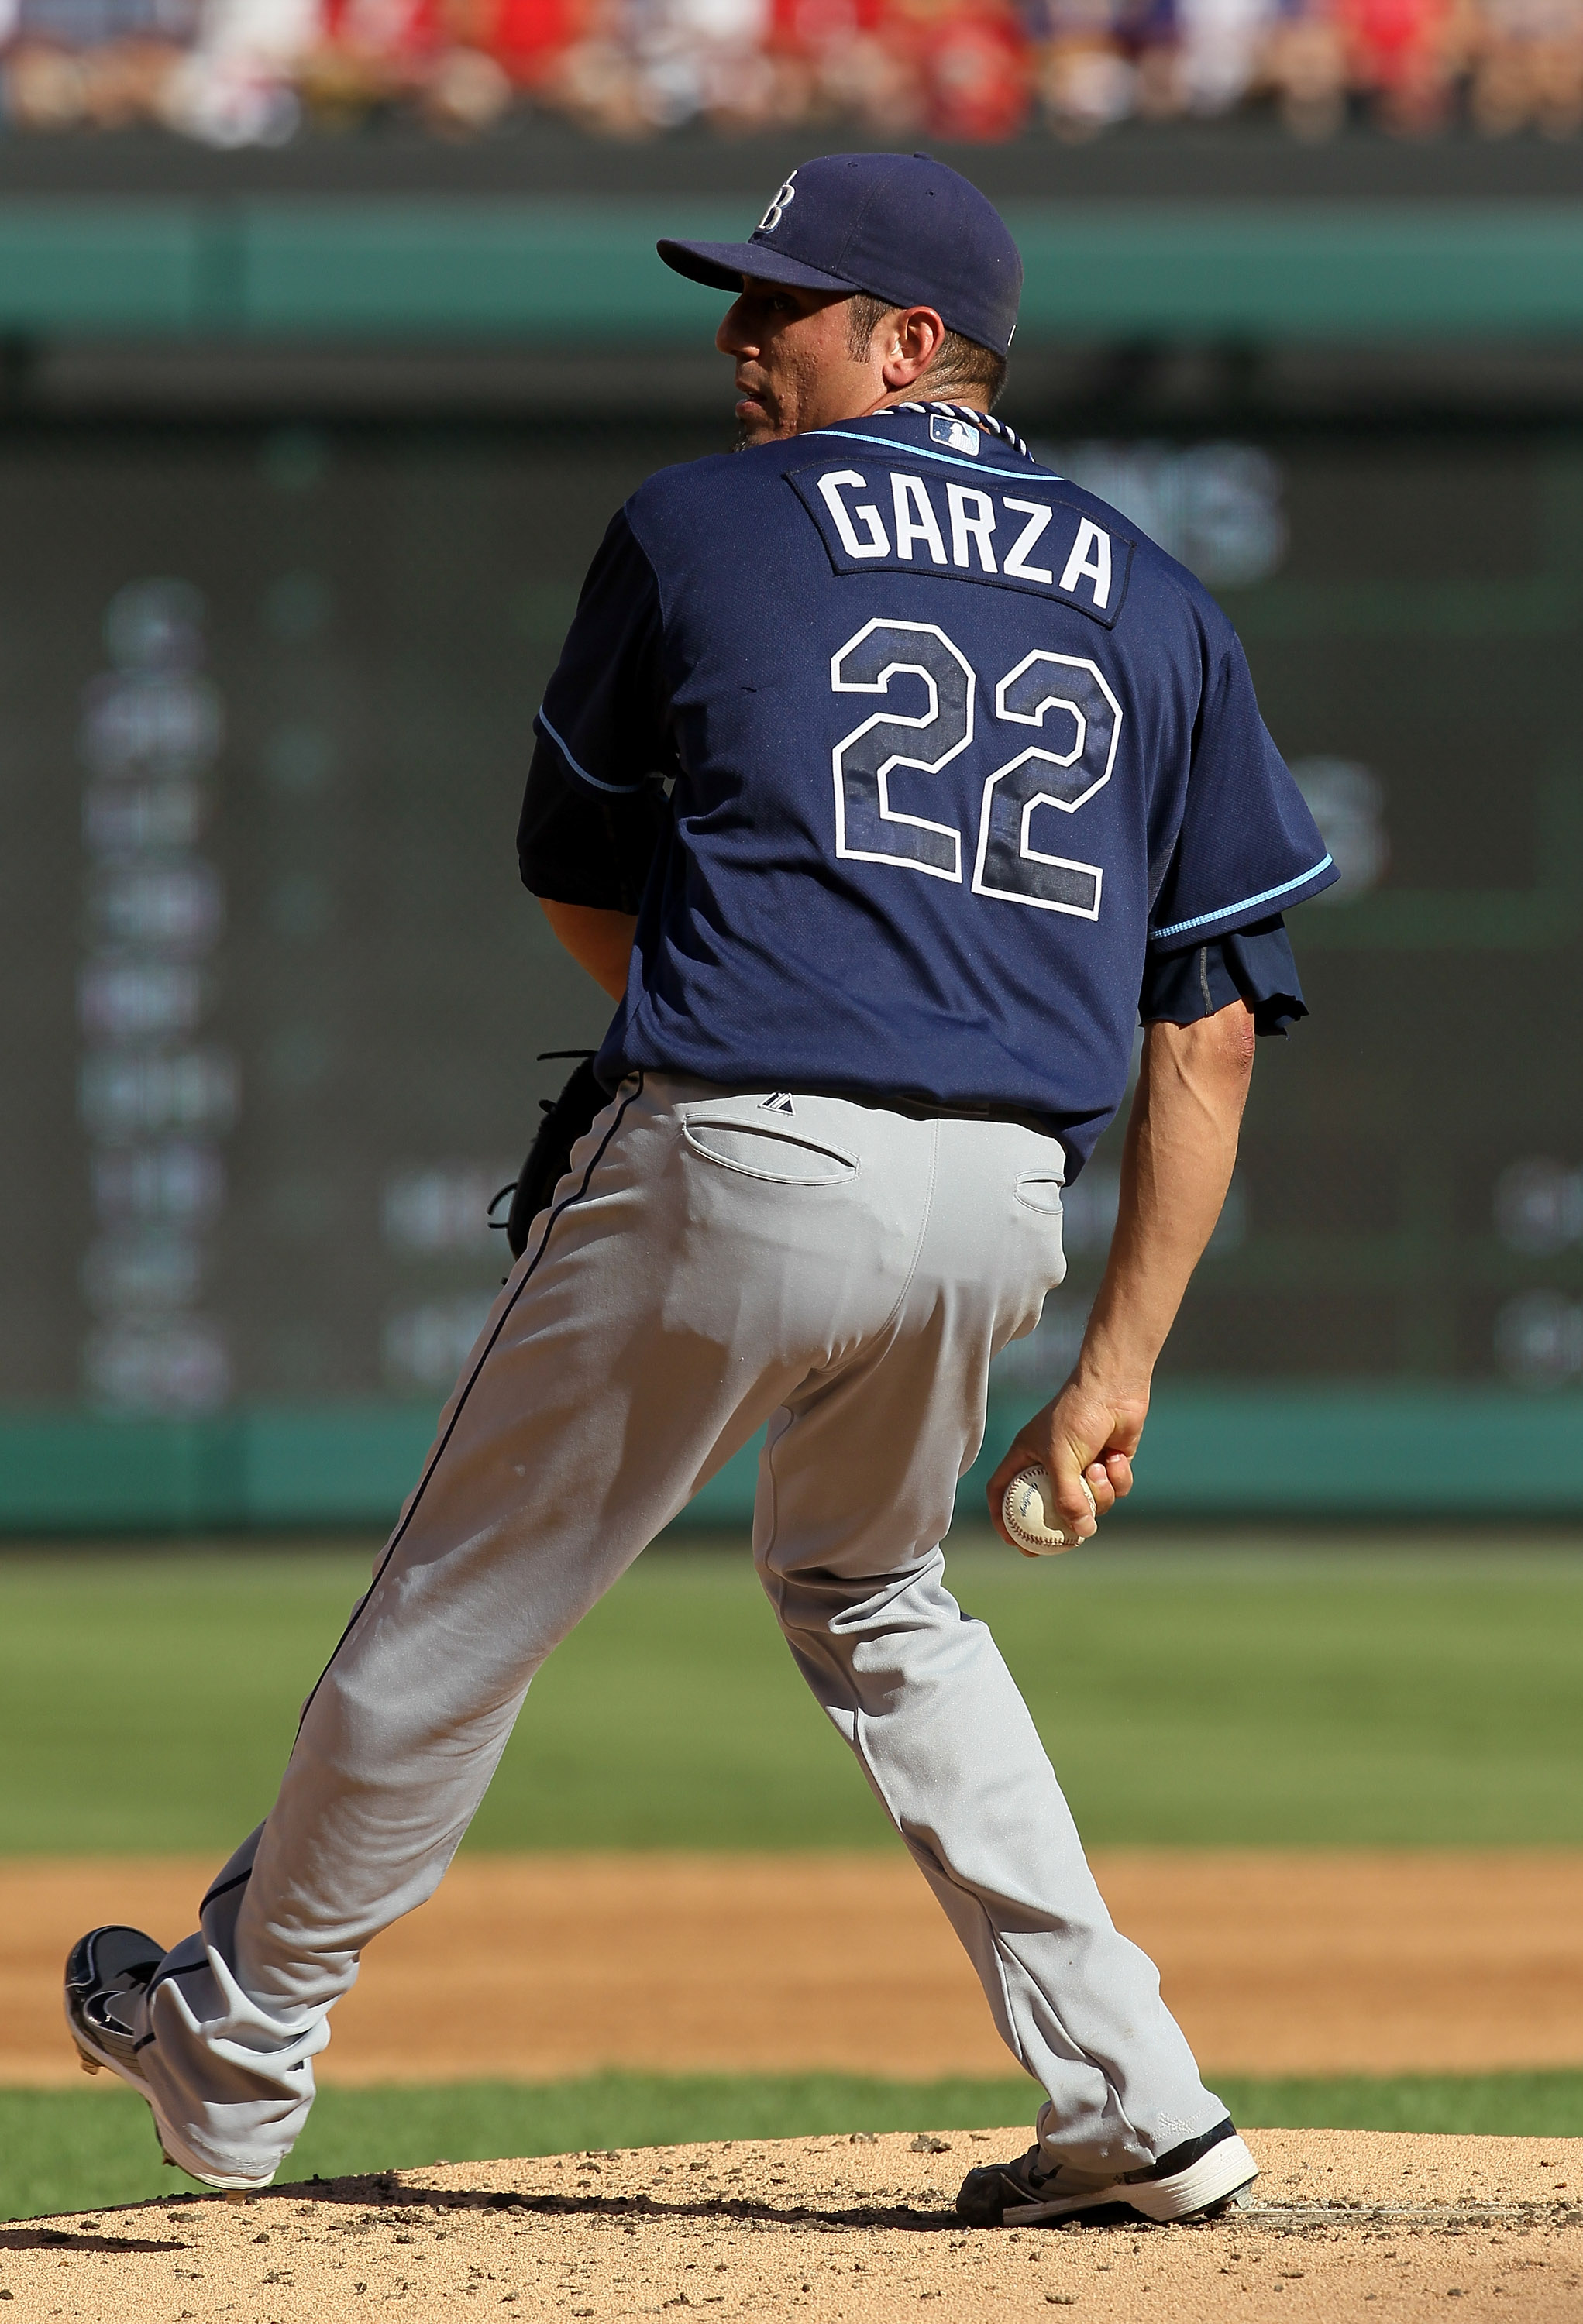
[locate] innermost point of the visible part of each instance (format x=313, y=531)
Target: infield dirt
x=532, y=1968
x=1341, y=2225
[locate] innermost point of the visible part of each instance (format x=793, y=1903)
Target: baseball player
x=885, y=781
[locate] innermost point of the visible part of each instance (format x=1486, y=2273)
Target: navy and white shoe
x=107, y=1974
x=1199, y=2179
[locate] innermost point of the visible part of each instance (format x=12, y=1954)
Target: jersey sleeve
x=1255, y=965
x=1247, y=845
x=594, y=807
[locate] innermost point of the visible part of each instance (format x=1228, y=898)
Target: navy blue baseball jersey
x=949, y=748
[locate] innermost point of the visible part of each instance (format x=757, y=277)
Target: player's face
x=794, y=368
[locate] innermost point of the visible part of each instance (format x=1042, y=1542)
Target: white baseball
x=1030, y=1515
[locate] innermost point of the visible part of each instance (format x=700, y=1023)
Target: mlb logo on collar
x=882, y=517
x=956, y=435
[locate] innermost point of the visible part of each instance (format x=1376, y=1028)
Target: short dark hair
x=960, y=362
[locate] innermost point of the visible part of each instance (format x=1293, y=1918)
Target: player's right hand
x=1079, y=1435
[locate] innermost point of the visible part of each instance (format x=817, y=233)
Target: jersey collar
x=939, y=438
x=985, y=421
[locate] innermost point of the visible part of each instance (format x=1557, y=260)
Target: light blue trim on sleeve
x=620, y=790
x=1265, y=896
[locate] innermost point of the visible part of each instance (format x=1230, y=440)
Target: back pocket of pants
x=1039, y=1194
x=760, y=1151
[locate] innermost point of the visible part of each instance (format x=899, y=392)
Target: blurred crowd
x=237, y=72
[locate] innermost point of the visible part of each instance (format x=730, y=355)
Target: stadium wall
x=581, y=271
x=1356, y=1451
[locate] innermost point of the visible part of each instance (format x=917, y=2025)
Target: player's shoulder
x=695, y=514
x=688, y=482
x=1160, y=584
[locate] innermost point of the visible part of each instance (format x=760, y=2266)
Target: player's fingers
x=1100, y=1486
x=1075, y=1496
x=1119, y=1470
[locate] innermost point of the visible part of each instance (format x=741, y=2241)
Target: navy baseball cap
x=898, y=225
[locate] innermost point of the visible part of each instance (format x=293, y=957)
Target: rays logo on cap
x=777, y=209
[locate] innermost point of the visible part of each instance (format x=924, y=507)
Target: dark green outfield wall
x=546, y=269
x=1355, y=1451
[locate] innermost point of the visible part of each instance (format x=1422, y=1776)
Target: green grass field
x=1370, y=1694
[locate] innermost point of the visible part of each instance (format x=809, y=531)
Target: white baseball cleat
x=1201, y=2178
x=108, y=1973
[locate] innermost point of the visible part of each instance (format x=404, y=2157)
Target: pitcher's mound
x=1342, y=2224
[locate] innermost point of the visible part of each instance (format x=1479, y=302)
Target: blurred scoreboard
x=274, y=995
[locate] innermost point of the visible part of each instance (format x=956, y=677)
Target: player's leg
x=601, y=1395
x=717, y=1255
x=856, y=1492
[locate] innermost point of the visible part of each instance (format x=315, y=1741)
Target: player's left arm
x=599, y=941
x=1180, y=1147
x=593, y=813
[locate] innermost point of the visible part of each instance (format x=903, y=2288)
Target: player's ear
x=915, y=335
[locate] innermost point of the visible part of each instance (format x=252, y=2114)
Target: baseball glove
x=566, y=1118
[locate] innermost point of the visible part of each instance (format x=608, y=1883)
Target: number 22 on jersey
x=1070, y=762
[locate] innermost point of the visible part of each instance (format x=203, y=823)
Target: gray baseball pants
x=714, y=1260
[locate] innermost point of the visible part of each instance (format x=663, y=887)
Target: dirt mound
x=1341, y=2225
